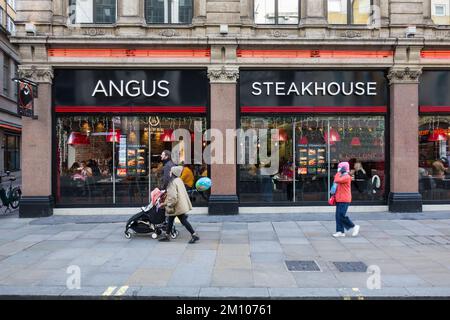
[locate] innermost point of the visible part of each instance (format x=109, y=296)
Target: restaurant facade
x=112, y=96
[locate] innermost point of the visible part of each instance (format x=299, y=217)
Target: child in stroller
x=151, y=219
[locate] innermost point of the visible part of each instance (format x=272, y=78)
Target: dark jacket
x=168, y=164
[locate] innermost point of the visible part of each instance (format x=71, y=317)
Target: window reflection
x=168, y=11
x=440, y=13
x=434, y=152
x=117, y=160
x=276, y=11
x=339, y=13
x=310, y=149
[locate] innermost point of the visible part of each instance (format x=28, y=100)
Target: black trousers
x=184, y=222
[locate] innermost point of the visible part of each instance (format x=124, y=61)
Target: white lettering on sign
x=314, y=88
x=132, y=88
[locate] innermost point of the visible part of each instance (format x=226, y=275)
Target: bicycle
x=11, y=196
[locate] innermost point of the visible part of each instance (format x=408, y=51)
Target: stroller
x=151, y=219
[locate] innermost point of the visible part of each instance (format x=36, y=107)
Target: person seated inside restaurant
x=360, y=178
x=438, y=168
x=188, y=177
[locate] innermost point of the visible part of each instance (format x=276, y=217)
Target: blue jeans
x=342, y=221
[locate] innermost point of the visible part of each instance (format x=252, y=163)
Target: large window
x=349, y=11
x=168, y=11
x=6, y=74
x=277, y=11
x=309, y=150
x=440, y=12
x=12, y=152
x=434, y=155
x=104, y=160
x=93, y=11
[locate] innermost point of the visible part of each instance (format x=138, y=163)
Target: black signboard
x=312, y=88
x=25, y=100
x=102, y=88
x=434, y=89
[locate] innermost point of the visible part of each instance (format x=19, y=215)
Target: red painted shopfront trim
x=138, y=53
x=327, y=54
x=435, y=54
x=439, y=109
x=11, y=128
x=313, y=109
x=130, y=109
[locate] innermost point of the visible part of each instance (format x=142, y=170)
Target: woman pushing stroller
x=177, y=204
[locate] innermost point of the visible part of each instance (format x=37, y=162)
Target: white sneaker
x=338, y=234
x=355, y=231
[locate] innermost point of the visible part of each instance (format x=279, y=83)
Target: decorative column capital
x=223, y=74
x=38, y=74
x=404, y=75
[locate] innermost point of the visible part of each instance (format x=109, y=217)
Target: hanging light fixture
x=334, y=136
x=303, y=140
x=111, y=137
x=437, y=135
x=167, y=135
x=356, y=142
x=77, y=138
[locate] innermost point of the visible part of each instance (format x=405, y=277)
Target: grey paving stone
x=265, y=246
x=260, y=257
x=34, y=238
x=26, y=257
x=67, y=235
x=429, y=292
x=106, y=279
x=224, y=293
x=273, y=277
x=191, y=277
x=22, y=291
x=14, y=247
x=154, y=277
x=403, y=280
x=170, y=292
x=300, y=293
x=262, y=235
x=234, y=226
x=228, y=277
x=67, y=253
x=316, y=280
x=383, y=292
x=233, y=262
x=292, y=240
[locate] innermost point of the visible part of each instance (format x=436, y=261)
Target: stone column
x=130, y=12
x=223, y=199
x=404, y=147
x=199, y=12
x=37, y=164
x=314, y=12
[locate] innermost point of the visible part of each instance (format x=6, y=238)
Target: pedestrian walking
x=343, y=196
x=177, y=204
x=166, y=158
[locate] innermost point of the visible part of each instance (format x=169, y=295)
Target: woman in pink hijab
x=343, y=199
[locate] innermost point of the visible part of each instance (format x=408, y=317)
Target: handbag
x=332, y=200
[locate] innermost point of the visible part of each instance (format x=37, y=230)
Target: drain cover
x=298, y=265
x=358, y=266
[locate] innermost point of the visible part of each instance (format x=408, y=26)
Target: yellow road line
x=121, y=291
x=109, y=291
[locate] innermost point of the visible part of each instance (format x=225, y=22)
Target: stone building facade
x=400, y=39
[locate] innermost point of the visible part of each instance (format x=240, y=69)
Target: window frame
x=73, y=21
x=147, y=4
x=444, y=6
x=349, y=14
x=276, y=12
x=16, y=165
x=6, y=75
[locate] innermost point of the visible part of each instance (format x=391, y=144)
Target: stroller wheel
x=127, y=235
x=158, y=232
x=174, y=234
x=154, y=236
